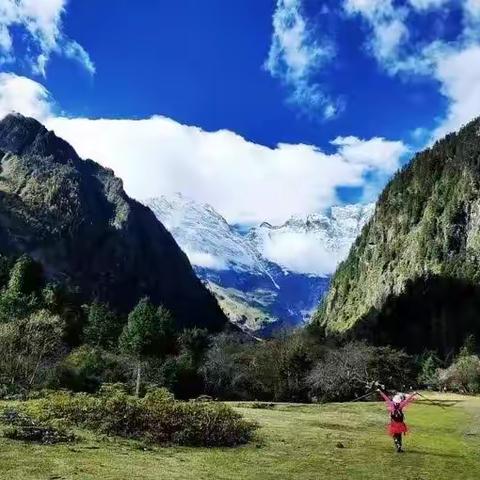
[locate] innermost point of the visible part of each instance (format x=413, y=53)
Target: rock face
x=260, y=291
x=412, y=277
x=74, y=216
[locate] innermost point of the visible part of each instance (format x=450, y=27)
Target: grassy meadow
x=302, y=442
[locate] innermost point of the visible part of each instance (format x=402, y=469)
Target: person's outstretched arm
x=386, y=398
x=408, y=400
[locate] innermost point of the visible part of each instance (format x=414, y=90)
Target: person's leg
x=397, y=440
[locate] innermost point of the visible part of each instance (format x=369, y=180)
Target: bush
x=157, y=417
x=22, y=427
x=86, y=368
x=39, y=434
x=462, y=376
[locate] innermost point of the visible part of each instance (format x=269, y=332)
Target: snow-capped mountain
x=268, y=276
x=314, y=244
x=204, y=235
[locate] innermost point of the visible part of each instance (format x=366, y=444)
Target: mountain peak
x=22, y=135
x=75, y=218
x=262, y=268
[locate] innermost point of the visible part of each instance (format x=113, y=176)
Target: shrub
x=22, y=427
x=462, y=376
x=157, y=417
x=86, y=367
x=40, y=434
x=30, y=348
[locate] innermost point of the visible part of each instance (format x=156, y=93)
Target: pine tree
x=103, y=326
x=149, y=332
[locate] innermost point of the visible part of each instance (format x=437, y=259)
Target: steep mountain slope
x=74, y=216
x=258, y=291
x=412, y=277
x=205, y=236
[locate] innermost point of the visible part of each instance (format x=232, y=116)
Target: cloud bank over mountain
x=245, y=181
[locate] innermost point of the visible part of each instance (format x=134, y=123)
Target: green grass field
x=294, y=442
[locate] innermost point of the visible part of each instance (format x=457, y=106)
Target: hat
x=398, y=398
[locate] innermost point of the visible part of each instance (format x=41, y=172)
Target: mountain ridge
x=74, y=217
x=412, y=275
x=258, y=293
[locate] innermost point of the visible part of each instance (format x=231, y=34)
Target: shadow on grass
x=431, y=454
x=336, y=426
x=439, y=403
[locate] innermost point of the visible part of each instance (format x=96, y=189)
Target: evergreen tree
x=26, y=276
x=20, y=297
x=149, y=332
x=103, y=326
x=194, y=343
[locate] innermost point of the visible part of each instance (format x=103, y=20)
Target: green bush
x=85, y=368
x=23, y=427
x=462, y=376
x=157, y=417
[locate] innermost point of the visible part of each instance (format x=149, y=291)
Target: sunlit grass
x=294, y=442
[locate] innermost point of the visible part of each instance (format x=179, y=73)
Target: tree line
x=49, y=339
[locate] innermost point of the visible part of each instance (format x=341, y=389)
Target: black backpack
x=397, y=414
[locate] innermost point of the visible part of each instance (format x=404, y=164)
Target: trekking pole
x=363, y=396
x=430, y=401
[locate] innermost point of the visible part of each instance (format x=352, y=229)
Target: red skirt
x=395, y=428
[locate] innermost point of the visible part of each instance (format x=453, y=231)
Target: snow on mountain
x=312, y=245
x=267, y=276
x=204, y=235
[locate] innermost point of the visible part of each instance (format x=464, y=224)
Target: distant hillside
x=412, y=277
x=259, y=290
x=75, y=218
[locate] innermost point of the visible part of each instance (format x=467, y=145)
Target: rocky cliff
x=74, y=216
x=412, y=277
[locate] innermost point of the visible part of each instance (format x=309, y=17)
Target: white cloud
x=428, y=4
x=295, y=56
x=42, y=21
x=246, y=182
x=21, y=94
x=455, y=65
x=388, y=29
x=206, y=260
x=374, y=154
x=301, y=253
x=459, y=75
x=472, y=7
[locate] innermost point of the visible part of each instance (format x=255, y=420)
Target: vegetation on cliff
x=412, y=277
x=73, y=216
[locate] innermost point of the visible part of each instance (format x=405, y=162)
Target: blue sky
x=262, y=108
x=201, y=63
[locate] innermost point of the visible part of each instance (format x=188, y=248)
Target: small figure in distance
x=395, y=405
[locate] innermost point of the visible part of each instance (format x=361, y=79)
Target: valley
x=240, y=240
x=266, y=278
